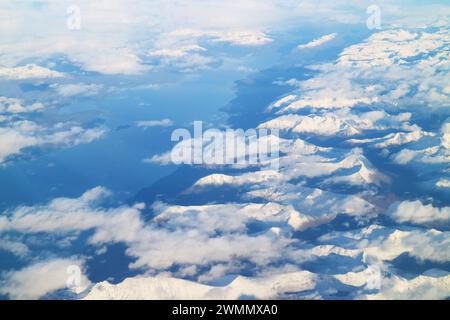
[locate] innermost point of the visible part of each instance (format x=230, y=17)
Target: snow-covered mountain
x=303, y=285
x=334, y=206
x=356, y=208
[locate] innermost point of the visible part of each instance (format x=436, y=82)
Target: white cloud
x=61, y=215
x=404, y=156
x=383, y=74
x=443, y=183
x=423, y=287
x=186, y=57
x=16, y=136
x=178, y=52
x=114, y=37
x=318, y=42
x=291, y=82
x=12, y=106
x=17, y=133
x=380, y=243
x=445, y=139
x=77, y=89
x=236, y=37
x=13, y=140
x=416, y=212
x=39, y=279
x=180, y=48
x=158, y=247
x=218, y=232
x=17, y=248
x=29, y=71
x=154, y=123
x=424, y=245
x=243, y=38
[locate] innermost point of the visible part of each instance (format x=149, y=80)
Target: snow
x=156, y=288
x=422, y=287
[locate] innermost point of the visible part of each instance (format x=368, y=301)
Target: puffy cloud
x=29, y=71
x=424, y=245
x=165, y=241
x=219, y=232
x=17, y=248
x=178, y=54
x=443, y=183
x=261, y=230
x=87, y=47
x=41, y=278
x=423, y=287
x=128, y=29
x=15, y=137
x=404, y=156
x=17, y=133
x=13, y=105
x=416, y=212
x=13, y=140
x=445, y=140
x=61, y=215
x=180, y=48
x=185, y=57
